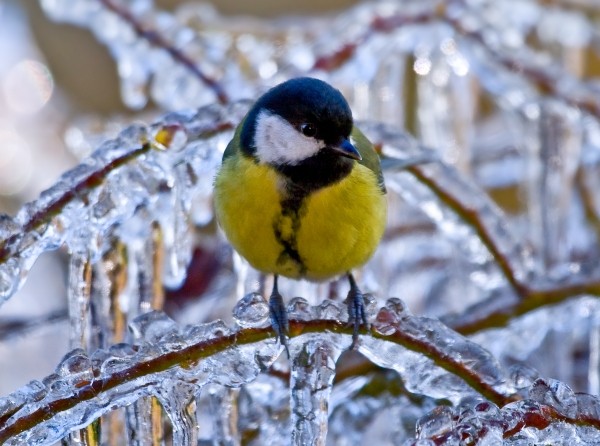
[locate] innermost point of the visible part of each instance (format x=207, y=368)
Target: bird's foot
x=357, y=314
x=279, y=319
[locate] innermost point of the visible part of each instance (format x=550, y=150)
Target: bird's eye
x=308, y=129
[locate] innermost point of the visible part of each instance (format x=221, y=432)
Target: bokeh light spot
x=28, y=86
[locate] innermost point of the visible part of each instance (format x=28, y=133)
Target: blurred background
x=512, y=133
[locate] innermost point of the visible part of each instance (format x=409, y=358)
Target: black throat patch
x=321, y=170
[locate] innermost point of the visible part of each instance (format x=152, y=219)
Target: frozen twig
x=11, y=423
x=159, y=41
x=532, y=300
x=336, y=59
x=547, y=82
x=13, y=327
x=54, y=208
x=531, y=296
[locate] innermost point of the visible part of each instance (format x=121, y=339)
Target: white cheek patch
x=278, y=142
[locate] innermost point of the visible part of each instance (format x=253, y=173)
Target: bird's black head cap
x=303, y=100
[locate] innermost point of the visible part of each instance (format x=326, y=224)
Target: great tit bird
x=300, y=192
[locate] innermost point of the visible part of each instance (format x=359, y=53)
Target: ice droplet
x=437, y=422
x=10, y=404
x=34, y=391
x=388, y=317
x=8, y=228
x=76, y=368
x=522, y=376
x=588, y=406
x=117, y=358
x=10, y=276
x=329, y=310
x=555, y=394
x=300, y=310
x=212, y=330
x=251, y=311
x=57, y=386
x=153, y=327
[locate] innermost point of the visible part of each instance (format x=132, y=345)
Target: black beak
x=347, y=149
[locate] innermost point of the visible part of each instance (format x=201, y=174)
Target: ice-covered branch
x=552, y=411
x=549, y=80
x=41, y=224
x=421, y=350
x=89, y=200
x=340, y=56
x=77, y=188
x=158, y=40
x=502, y=312
x=430, y=359
x=508, y=119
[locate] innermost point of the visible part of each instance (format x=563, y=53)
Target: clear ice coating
x=84, y=388
x=124, y=175
x=493, y=230
x=312, y=373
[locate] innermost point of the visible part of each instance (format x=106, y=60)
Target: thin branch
x=530, y=297
x=9, y=246
x=336, y=59
x=55, y=207
x=204, y=349
x=533, y=300
x=159, y=41
x=11, y=328
x=547, y=83
x=474, y=220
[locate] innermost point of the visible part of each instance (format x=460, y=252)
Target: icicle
x=264, y=411
x=223, y=402
x=554, y=138
x=594, y=361
x=387, y=89
x=178, y=401
x=143, y=271
x=312, y=373
x=144, y=417
x=80, y=277
x=446, y=99
x=176, y=234
x=157, y=296
x=144, y=422
x=114, y=271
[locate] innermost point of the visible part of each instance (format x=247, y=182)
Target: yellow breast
x=334, y=230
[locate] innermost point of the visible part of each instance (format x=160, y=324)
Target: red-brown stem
x=158, y=40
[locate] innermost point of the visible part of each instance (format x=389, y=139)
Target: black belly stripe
x=291, y=208
x=319, y=171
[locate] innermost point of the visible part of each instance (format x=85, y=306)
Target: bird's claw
x=357, y=314
x=279, y=319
